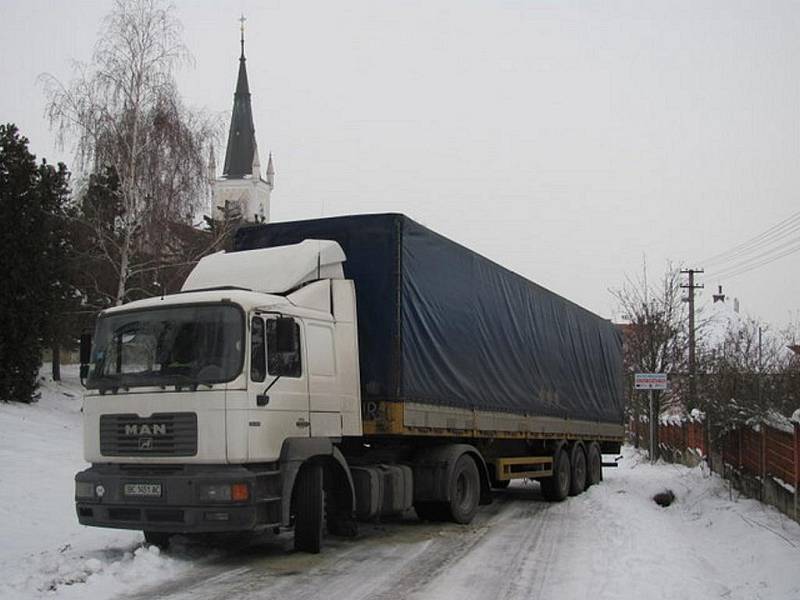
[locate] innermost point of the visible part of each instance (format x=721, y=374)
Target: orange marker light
x=240, y=492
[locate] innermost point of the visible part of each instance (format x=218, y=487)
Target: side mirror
x=86, y=355
x=86, y=348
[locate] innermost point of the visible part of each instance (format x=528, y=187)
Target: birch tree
x=124, y=112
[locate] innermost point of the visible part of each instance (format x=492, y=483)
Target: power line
x=763, y=255
x=778, y=231
x=767, y=244
x=734, y=273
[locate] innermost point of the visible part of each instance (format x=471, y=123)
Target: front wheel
x=308, y=509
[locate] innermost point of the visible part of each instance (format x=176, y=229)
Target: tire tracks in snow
x=395, y=560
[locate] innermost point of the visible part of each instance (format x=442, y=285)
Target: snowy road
x=612, y=542
x=399, y=559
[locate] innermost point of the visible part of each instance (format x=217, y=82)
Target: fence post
x=685, y=439
x=739, y=444
x=796, y=467
x=763, y=459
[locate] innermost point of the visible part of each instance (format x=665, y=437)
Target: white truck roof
x=269, y=270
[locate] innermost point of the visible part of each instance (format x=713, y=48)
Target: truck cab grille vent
x=161, y=434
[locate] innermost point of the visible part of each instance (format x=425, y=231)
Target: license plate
x=149, y=490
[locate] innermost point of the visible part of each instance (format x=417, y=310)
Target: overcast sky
x=564, y=140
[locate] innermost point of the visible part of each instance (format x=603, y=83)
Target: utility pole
x=691, y=287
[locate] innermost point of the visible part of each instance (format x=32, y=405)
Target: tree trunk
x=56, y=349
x=123, y=268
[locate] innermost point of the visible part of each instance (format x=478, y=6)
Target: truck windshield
x=182, y=346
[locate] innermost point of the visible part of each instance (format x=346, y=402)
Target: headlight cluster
x=224, y=492
x=89, y=489
x=84, y=489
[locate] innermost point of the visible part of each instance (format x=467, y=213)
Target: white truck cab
x=198, y=401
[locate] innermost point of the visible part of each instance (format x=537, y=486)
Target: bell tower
x=241, y=194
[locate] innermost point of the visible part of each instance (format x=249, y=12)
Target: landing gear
x=497, y=484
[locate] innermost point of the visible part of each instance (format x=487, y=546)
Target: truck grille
x=161, y=434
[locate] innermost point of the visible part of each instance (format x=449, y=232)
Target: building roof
x=242, y=134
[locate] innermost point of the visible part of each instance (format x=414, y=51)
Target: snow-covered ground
x=44, y=552
x=610, y=542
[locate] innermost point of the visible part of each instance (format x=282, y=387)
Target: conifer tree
x=34, y=247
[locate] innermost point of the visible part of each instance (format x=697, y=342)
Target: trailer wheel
x=308, y=506
x=556, y=488
x=465, y=490
x=157, y=538
x=594, y=474
x=578, y=473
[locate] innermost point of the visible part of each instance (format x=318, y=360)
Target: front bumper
x=179, y=508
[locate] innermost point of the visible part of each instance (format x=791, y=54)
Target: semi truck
x=337, y=370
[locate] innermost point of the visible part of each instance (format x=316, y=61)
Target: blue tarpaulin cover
x=440, y=324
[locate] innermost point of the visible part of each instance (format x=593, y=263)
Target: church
x=241, y=194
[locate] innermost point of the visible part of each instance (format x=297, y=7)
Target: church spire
x=270, y=172
x=241, y=137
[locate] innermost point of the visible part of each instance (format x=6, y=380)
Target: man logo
x=145, y=443
x=154, y=429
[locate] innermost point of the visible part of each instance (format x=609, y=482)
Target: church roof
x=242, y=134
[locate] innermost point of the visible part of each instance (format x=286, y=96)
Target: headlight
x=84, y=489
x=224, y=492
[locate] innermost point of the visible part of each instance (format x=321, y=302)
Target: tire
x=578, y=470
x=308, y=509
x=594, y=465
x=432, y=511
x=465, y=490
x=158, y=538
x=556, y=488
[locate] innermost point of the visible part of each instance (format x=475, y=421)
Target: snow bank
x=711, y=542
x=613, y=542
x=45, y=552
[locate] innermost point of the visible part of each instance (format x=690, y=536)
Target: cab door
x=325, y=394
x=278, y=386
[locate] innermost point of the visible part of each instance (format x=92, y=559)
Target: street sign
x=650, y=381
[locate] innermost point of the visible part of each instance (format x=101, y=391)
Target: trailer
x=341, y=369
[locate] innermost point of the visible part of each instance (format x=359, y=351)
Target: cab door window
x=283, y=347
x=258, y=355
